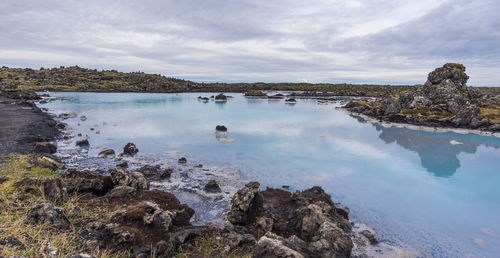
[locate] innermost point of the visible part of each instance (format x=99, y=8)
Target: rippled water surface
x=435, y=192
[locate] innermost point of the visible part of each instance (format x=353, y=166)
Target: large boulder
x=242, y=203
x=302, y=224
x=444, y=100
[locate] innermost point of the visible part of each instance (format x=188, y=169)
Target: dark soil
x=22, y=124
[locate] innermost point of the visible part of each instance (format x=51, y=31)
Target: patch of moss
x=491, y=113
x=364, y=103
x=416, y=112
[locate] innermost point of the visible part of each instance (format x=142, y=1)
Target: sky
x=351, y=41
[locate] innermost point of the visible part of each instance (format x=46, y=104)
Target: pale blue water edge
x=435, y=192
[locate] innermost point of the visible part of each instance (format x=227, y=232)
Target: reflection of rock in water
x=222, y=137
x=437, y=152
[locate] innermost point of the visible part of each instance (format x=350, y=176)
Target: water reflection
x=438, y=152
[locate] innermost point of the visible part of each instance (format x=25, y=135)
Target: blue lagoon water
x=437, y=193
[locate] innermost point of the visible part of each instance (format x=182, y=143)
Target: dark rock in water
x=83, y=118
x=122, y=165
x=221, y=97
x=79, y=135
x=277, y=96
x=60, y=126
x=82, y=143
x=133, y=179
x=54, y=189
x=92, y=129
x=285, y=186
x=370, y=236
x=290, y=100
x=43, y=212
x=155, y=172
x=212, y=187
x=182, y=160
x=130, y=149
x=67, y=115
x=107, y=154
x=220, y=128
x=198, y=166
x=45, y=147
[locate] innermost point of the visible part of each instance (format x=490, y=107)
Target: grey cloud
x=293, y=40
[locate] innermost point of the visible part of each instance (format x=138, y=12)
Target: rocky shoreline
x=444, y=101
x=119, y=212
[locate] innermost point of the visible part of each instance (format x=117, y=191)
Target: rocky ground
x=50, y=211
x=97, y=214
x=443, y=101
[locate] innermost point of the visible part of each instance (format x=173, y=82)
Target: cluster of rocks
x=301, y=224
x=444, y=100
x=270, y=223
x=150, y=216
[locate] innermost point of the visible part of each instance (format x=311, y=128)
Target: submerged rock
x=107, y=154
x=82, y=143
x=155, y=172
x=212, y=187
x=68, y=115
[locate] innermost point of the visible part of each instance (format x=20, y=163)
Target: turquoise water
x=435, y=192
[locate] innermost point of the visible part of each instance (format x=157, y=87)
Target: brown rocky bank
x=150, y=223
x=443, y=101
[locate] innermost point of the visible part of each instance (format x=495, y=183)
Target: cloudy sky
x=357, y=41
